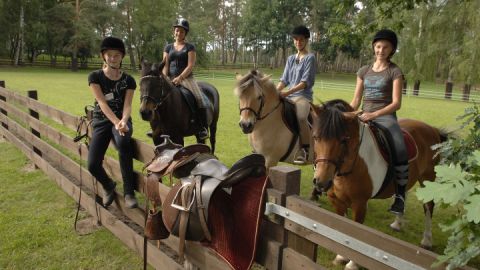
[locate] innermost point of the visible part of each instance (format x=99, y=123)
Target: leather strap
x=201, y=208
x=182, y=230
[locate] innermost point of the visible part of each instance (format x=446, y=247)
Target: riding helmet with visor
x=183, y=24
x=301, y=31
x=388, y=35
x=112, y=43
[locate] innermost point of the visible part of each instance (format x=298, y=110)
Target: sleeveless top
x=178, y=60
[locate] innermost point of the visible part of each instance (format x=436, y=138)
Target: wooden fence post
x=283, y=181
x=2, y=84
x=448, y=90
x=466, y=92
x=34, y=95
x=416, y=87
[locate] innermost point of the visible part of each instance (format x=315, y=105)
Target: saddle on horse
x=384, y=145
x=203, y=204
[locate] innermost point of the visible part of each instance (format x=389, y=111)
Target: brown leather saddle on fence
x=202, y=205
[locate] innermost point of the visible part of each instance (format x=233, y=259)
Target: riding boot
x=398, y=206
x=202, y=117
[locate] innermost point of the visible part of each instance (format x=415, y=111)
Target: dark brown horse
x=164, y=105
x=350, y=168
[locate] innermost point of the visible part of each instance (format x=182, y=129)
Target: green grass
x=36, y=224
x=69, y=92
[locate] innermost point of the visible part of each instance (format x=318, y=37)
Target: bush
x=458, y=185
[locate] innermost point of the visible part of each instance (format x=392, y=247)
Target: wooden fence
x=283, y=245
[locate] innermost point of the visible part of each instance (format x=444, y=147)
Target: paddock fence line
x=284, y=243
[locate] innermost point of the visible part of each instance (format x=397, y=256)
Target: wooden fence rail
x=283, y=244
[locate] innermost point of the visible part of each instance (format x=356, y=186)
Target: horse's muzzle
x=146, y=115
x=322, y=186
x=246, y=126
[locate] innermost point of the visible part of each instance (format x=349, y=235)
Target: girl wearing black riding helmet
x=380, y=86
x=179, y=58
x=299, y=76
x=113, y=91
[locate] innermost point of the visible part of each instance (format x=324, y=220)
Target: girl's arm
x=102, y=102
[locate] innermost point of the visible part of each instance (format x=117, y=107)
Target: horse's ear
x=265, y=78
x=145, y=66
x=350, y=115
x=315, y=110
x=238, y=76
x=162, y=64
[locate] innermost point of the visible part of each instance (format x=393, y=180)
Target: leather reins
x=341, y=159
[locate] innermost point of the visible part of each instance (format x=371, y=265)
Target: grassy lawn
x=69, y=92
x=36, y=224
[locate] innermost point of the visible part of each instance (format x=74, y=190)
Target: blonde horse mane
x=260, y=83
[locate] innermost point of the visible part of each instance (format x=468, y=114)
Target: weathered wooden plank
x=127, y=235
x=198, y=254
x=394, y=246
x=295, y=261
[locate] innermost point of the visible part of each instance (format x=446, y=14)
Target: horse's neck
x=370, y=153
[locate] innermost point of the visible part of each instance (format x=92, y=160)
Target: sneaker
x=109, y=196
x=203, y=134
x=301, y=157
x=398, y=206
x=131, y=201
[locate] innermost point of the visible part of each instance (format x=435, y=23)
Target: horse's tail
x=445, y=134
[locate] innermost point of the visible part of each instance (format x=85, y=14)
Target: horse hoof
x=313, y=198
x=340, y=260
x=427, y=247
x=351, y=266
x=395, y=228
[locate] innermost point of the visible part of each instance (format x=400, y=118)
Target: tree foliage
x=458, y=186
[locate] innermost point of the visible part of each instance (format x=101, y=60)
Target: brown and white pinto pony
x=261, y=118
x=350, y=168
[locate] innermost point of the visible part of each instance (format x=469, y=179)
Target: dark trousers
x=103, y=132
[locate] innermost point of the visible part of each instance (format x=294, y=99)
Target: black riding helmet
x=112, y=43
x=183, y=24
x=301, y=31
x=388, y=35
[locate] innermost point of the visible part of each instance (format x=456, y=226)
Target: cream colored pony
x=261, y=110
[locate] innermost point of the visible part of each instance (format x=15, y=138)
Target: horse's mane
x=254, y=79
x=331, y=123
x=155, y=70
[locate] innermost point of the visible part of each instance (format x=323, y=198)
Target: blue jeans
x=103, y=132
x=400, y=157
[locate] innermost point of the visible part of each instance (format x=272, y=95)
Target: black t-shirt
x=114, y=91
x=178, y=60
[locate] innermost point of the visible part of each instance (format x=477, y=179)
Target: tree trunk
x=19, y=47
x=133, y=65
x=404, y=90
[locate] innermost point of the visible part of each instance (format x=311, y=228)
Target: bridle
x=341, y=159
x=258, y=113
x=158, y=103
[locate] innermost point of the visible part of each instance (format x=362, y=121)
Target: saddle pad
x=410, y=144
x=235, y=222
x=289, y=116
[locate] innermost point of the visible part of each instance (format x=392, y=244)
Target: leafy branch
x=458, y=185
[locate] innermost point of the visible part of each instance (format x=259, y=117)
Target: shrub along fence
x=290, y=233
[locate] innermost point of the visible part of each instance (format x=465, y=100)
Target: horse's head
x=154, y=89
x=255, y=93
x=335, y=131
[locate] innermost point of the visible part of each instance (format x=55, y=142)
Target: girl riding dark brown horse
x=168, y=111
